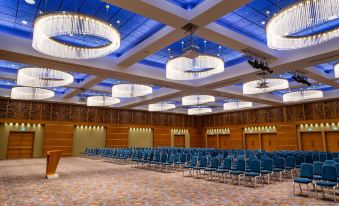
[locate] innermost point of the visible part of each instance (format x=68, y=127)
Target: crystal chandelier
x=192, y=64
x=237, y=105
x=199, y=110
x=303, y=15
x=43, y=77
x=31, y=93
x=197, y=99
x=130, y=90
x=301, y=95
x=101, y=101
x=264, y=85
x=49, y=26
x=336, y=70
x=161, y=106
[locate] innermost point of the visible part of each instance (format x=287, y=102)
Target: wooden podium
x=53, y=158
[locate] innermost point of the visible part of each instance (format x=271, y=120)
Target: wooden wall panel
x=117, y=136
x=332, y=141
x=269, y=141
x=252, y=141
x=236, y=138
x=312, y=141
x=287, y=138
x=58, y=136
x=161, y=137
x=197, y=138
x=212, y=141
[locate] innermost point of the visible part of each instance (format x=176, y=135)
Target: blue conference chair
x=255, y=172
x=213, y=167
x=317, y=167
x=224, y=170
x=306, y=176
x=328, y=180
x=238, y=171
x=190, y=166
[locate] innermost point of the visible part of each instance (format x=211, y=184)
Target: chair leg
x=293, y=188
x=301, y=191
x=335, y=198
x=316, y=191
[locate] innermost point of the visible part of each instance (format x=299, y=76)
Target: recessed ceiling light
x=24, y=22
x=30, y=1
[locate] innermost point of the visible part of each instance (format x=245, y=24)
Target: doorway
x=224, y=141
x=269, y=141
x=20, y=145
x=179, y=141
x=252, y=141
x=312, y=141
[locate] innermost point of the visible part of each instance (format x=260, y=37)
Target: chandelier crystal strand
x=101, y=101
x=130, y=90
x=199, y=110
x=237, y=105
x=336, y=70
x=301, y=95
x=161, y=106
x=48, y=26
x=43, y=77
x=31, y=93
x=197, y=99
x=300, y=16
x=272, y=85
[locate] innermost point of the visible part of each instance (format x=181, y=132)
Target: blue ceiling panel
x=327, y=68
x=111, y=82
x=160, y=58
x=17, y=17
x=186, y=4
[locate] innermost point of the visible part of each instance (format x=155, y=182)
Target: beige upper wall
x=6, y=128
x=87, y=137
x=141, y=137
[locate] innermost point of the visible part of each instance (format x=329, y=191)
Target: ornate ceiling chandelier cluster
x=161, y=106
x=283, y=28
x=34, y=83
x=237, y=105
x=302, y=95
x=192, y=64
x=197, y=101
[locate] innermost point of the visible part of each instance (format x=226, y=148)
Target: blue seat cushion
x=252, y=174
x=289, y=168
x=236, y=172
x=221, y=170
x=210, y=169
x=152, y=162
x=277, y=170
x=179, y=163
x=198, y=168
x=302, y=180
x=187, y=166
x=266, y=172
x=326, y=184
x=317, y=177
x=166, y=163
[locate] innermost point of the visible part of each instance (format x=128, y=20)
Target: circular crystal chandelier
x=264, y=85
x=101, y=101
x=130, y=90
x=43, y=77
x=161, y=106
x=49, y=26
x=199, y=110
x=303, y=15
x=31, y=93
x=237, y=105
x=336, y=70
x=301, y=95
x=197, y=99
x=192, y=64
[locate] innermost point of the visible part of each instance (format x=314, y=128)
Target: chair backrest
x=309, y=158
x=322, y=157
x=336, y=159
x=194, y=161
x=329, y=173
x=268, y=164
x=241, y=164
x=317, y=167
x=255, y=166
x=290, y=161
x=228, y=163
x=177, y=157
x=209, y=158
x=215, y=162
x=299, y=159
x=203, y=162
x=315, y=157
x=163, y=158
x=306, y=170
x=171, y=158
x=337, y=166
x=280, y=163
x=330, y=162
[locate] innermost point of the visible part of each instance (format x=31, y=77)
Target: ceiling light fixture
x=282, y=27
x=101, y=101
x=31, y=93
x=192, y=64
x=301, y=95
x=237, y=105
x=43, y=77
x=336, y=70
x=197, y=99
x=161, y=106
x=48, y=26
x=199, y=110
x=264, y=85
x=30, y=1
x=130, y=90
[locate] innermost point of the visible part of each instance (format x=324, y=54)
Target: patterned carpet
x=94, y=182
